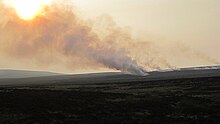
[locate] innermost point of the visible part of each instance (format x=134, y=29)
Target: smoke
x=61, y=40
x=193, y=54
x=61, y=34
x=198, y=55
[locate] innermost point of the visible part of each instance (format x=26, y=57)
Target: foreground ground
x=193, y=100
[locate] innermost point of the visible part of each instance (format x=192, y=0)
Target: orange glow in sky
x=28, y=9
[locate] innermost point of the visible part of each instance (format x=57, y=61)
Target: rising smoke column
x=61, y=31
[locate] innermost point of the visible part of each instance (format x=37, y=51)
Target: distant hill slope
x=13, y=77
x=24, y=74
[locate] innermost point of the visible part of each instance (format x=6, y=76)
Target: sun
x=28, y=9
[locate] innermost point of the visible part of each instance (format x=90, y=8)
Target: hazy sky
x=183, y=33
x=192, y=22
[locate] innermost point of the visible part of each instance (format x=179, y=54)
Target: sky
x=153, y=34
x=192, y=22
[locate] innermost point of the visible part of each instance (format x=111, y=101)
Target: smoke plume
x=61, y=34
x=61, y=40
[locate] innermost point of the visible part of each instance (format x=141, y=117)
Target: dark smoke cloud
x=60, y=33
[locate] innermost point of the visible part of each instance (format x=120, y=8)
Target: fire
x=28, y=9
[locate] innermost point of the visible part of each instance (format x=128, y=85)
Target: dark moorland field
x=168, y=101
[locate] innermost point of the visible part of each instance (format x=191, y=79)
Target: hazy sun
x=28, y=9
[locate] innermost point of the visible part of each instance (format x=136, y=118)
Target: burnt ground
x=179, y=101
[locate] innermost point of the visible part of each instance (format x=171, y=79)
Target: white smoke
x=61, y=31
